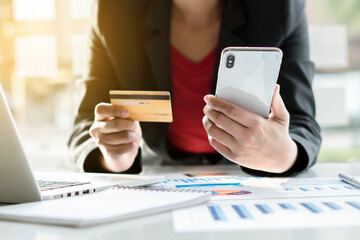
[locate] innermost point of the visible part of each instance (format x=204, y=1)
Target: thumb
x=278, y=109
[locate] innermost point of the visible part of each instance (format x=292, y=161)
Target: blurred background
x=42, y=53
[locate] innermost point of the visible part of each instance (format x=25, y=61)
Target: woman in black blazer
x=132, y=46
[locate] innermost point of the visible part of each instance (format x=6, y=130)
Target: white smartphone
x=247, y=77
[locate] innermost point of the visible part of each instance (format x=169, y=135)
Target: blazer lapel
x=157, y=44
x=233, y=20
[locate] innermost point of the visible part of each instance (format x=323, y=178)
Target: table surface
x=160, y=226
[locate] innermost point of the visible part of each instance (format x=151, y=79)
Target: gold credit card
x=144, y=106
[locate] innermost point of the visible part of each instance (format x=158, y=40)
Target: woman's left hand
x=249, y=139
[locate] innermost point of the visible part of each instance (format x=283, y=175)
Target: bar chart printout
x=269, y=214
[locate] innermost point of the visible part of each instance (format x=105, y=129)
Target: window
x=42, y=49
x=334, y=29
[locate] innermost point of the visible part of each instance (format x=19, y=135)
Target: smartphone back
x=247, y=77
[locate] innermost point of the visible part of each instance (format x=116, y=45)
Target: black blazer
x=129, y=49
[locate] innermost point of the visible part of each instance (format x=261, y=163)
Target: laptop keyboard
x=49, y=185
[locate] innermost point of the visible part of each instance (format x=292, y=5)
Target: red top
x=190, y=83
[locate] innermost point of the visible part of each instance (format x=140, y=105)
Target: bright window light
x=78, y=53
x=80, y=8
x=30, y=10
x=329, y=46
x=36, y=56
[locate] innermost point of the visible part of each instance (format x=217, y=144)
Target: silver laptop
x=17, y=181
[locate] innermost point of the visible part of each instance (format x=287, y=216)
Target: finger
x=217, y=133
x=278, y=109
x=113, y=150
x=220, y=148
x=116, y=125
x=104, y=111
x=123, y=137
x=227, y=124
x=238, y=114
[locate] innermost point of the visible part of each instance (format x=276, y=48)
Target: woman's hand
x=117, y=137
x=249, y=139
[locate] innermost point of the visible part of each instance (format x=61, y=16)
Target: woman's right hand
x=117, y=137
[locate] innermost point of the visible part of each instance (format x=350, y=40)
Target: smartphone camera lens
x=230, y=61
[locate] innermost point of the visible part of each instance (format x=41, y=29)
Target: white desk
x=160, y=226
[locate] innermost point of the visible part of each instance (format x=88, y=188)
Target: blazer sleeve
x=98, y=79
x=295, y=80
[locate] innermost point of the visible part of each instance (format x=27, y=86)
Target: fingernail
x=206, y=99
x=125, y=114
